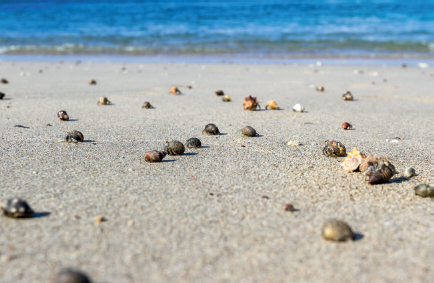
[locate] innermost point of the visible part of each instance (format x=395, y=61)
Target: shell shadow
x=88, y=141
x=169, y=160
x=40, y=214
x=398, y=180
x=204, y=146
x=72, y=120
x=190, y=153
x=21, y=126
x=358, y=236
x=7, y=98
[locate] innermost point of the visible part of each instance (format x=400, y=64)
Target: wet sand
x=214, y=214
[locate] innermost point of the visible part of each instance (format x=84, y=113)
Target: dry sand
x=214, y=214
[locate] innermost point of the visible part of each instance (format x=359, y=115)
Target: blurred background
x=300, y=29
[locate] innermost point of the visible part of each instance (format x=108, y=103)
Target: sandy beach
x=215, y=213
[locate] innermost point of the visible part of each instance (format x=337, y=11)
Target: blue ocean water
x=389, y=28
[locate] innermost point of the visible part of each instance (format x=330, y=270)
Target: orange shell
x=249, y=103
x=175, y=90
x=272, y=104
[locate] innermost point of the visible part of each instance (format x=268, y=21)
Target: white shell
x=351, y=164
x=298, y=108
x=293, y=143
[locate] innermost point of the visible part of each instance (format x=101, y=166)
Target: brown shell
x=4, y=81
x=382, y=175
x=62, y=115
x=250, y=103
x=219, y=92
x=174, y=148
x=346, y=126
x=334, y=148
x=74, y=136
x=16, y=208
x=71, y=276
x=92, y=82
x=320, y=88
x=104, y=101
x=175, y=90
x=366, y=162
x=249, y=131
x=155, y=156
x=211, y=130
x=2, y=95
x=147, y=105
x=347, y=96
x=336, y=230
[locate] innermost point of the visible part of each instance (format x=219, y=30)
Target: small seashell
x=147, y=105
x=174, y=90
x=16, y=208
x=351, y=164
x=4, y=81
x=2, y=95
x=63, y=115
x=100, y=219
x=226, y=98
x=74, y=136
x=320, y=88
x=155, y=156
x=211, y=130
x=104, y=101
x=424, y=190
x=347, y=96
x=385, y=171
x=71, y=276
x=193, y=143
x=249, y=131
x=272, y=104
x=336, y=230
x=250, y=103
x=219, y=92
x=409, y=172
x=367, y=162
x=92, y=82
x=289, y=207
x=298, y=108
x=174, y=148
x=293, y=143
x=334, y=149
x=346, y=126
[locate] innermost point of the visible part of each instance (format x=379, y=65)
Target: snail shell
x=409, y=172
x=336, y=230
x=249, y=131
x=92, y=82
x=347, y=96
x=2, y=95
x=74, y=136
x=334, y=148
x=211, y=130
x=71, y=276
x=298, y=108
x=16, y=208
x=381, y=175
x=219, y=93
x=424, y=190
x=62, y=115
x=175, y=90
x=346, y=126
x=174, y=148
x=351, y=164
x=193, y=143
x=226, y=98
x=4, y=81
x=104, y=101
x=147, y=105
x=272, y=104
x=250, y=103
x=320, y=88
x=155, y=156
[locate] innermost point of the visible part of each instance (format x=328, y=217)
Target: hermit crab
x=347, y=96
x=337, y=230
x=147, y=105
x=2, y=95
x=71, y=276
x=320, y=88
x=249, y=131
x=272, y=105
x=384, y=171
x=62, y=115
x=175, y=90
x=347, y=126
x=219, y=93
x=155, y=156
x=16, y=208
x=193, y=143
x=211, y=130
x=103, y=101
x=424, y=190
x=174, y=148
x=250, y=103
x=409, y=172
x=298, y=108
x=4, y=81
x=74, y=136
x=226, y=98
x=334, y=149
x=92, y=82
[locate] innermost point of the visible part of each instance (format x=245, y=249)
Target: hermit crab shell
x=298, y=108
x=334, y=148
x=367, y=162
x=424, y=190
x=16, y=208
x=219, y=93
x=383, y=174
x=272, y=105
x=193, y=143
x=249, y=131
x=104, y=101
x=336, y=230
x=175, y=90
x=2, y=95
x=147, y=105
x=409, y=172
x=155, y=156
x=320, y=88
x=347, y=96
x=92, y=82
x=74, y=136
x=4, y=81
x=211, y=130
x=174, y=148
x=71, y=276
x=62, y=115
x=250, y=103
x=226, y=98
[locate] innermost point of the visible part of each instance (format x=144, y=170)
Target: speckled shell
x=250, y=103
x=62, y=115
x=336, y=230
x=409, y=172
x=424, y=190
x=381, y=175
x=249, y=131
x=74, y=136
x=174, y=148
x=16, y=208
x=347, y=96
x=71, y=276
x=334, y=148
x=2, y=95
x=147, y=105
x=219, y=93
x=155, y=156
x=104, y=101
x=193, y=143
x=211, y=130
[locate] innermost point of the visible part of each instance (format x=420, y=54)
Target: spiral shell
x=351, y=164
x=2, y=95
x=71, y=276
x=298, y=108
x=104, y=101
x=211, y=130
x=174, y=148
x=334, y=148
x=62, y=115
x=272, y=105
x=74, y=136
x=337, y=230
x=250, y=103
x=219, y=92
x=147, y=105
x=409, y=172
x=346, y=126
x=424, y=190
x=226, y=98
x=383, y=174
x=16, y=208
x=155, y=156
x=193, y=143
x=174, y=90
x=249, y=131
x=347, y=96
